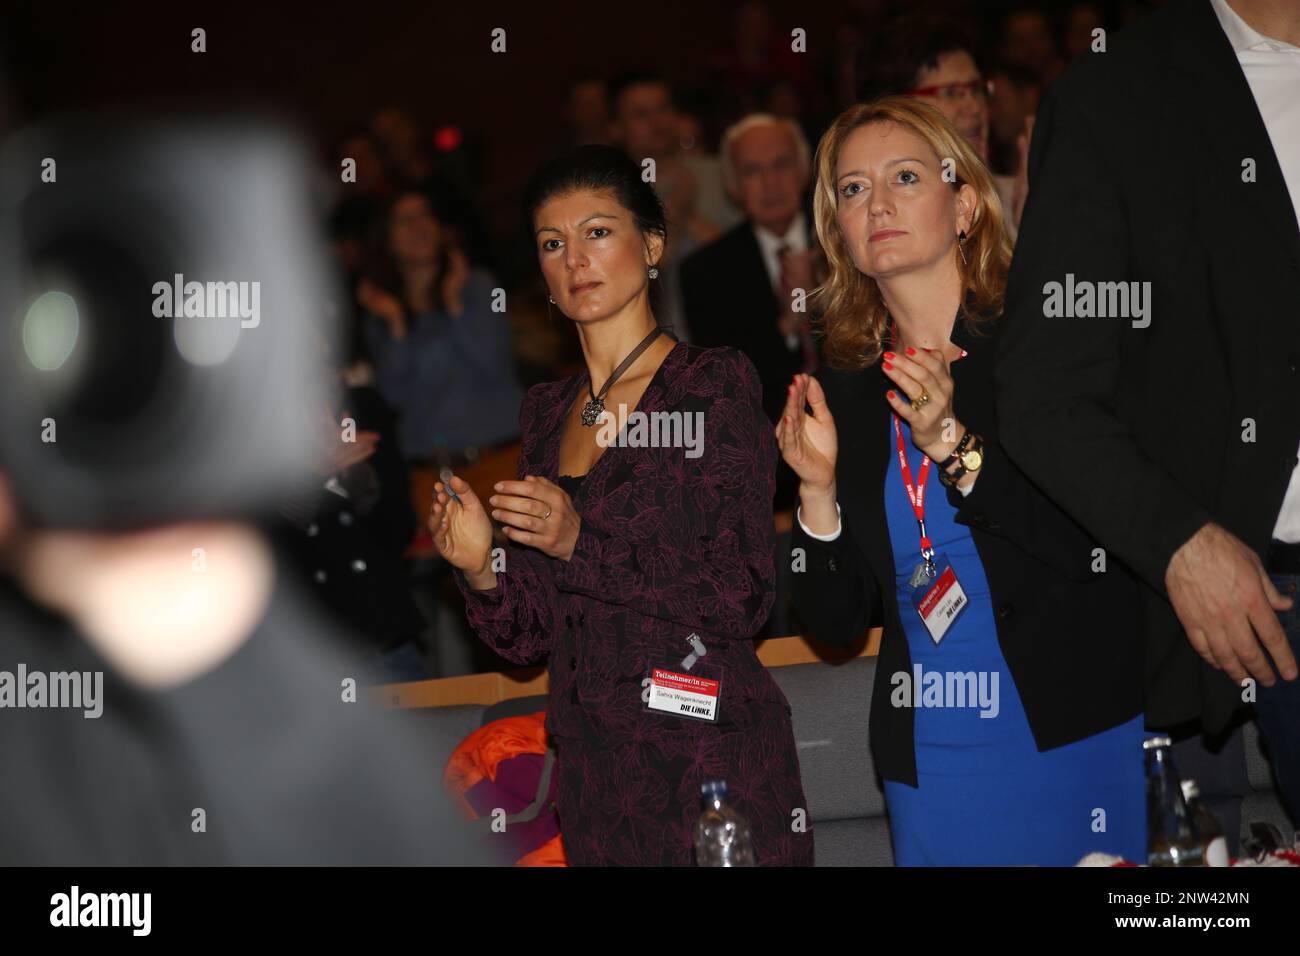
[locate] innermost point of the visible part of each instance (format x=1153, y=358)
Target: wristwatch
x=968, y=456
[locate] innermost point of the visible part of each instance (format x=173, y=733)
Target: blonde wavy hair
x=854, y=318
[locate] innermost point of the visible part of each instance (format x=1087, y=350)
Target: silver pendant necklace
x=592, y=410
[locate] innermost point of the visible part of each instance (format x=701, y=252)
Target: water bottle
x=721, y=834
x=1214, y=844
x=1172, y=839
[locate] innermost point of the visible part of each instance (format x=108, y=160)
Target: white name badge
x=684, y=695
x=940, y=601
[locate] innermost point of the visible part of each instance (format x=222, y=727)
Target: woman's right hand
x=383, y=304
x=808, y=442
x=462, y=532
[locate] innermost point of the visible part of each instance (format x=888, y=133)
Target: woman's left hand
x=521, y=505
x=935, y=430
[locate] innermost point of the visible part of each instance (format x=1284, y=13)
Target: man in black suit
x=1149, y=373
x=741, y=289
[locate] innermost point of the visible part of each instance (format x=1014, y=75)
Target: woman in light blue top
x=438, y=334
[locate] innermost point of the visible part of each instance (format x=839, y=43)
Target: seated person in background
x=738, y=291
x=645, y=124
x=442, y=355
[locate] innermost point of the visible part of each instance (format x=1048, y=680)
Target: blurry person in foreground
x=167, y=696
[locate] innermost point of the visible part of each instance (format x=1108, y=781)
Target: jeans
x=1277, y=708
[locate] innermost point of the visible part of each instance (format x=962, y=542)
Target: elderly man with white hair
x=742, y=289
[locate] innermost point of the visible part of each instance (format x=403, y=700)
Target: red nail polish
x=911, y=351
x=889, y=355
x=888, y=367
x=890, y=393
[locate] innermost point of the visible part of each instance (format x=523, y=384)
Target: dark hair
x=625, y=81
x=1018, y=76
x=601, y=168
x=907, y=45
x=379, y=265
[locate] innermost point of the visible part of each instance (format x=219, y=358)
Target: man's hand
x=1228, y=605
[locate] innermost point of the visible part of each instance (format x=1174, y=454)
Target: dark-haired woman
x=441, y=352
x=640, y=569
x=1007, y=715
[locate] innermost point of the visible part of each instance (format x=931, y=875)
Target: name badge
x=940, y=599
x=685, y=695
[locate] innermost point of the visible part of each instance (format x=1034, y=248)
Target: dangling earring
x=961, y=246
x=552, y=299
x=653, y=273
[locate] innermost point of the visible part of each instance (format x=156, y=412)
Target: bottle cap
x=713, y=788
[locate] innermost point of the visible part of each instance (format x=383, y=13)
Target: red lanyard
x=915, y=493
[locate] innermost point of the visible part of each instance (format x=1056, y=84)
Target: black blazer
x=1069, y=634
x=730, y=301
x=1135, y=174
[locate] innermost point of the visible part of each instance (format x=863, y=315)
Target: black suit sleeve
x=834, y=594
x=1057, y=378
x=1004, y=502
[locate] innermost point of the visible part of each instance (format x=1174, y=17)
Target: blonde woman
x=1007, y=731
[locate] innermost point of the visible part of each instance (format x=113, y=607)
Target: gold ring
x=921, y=401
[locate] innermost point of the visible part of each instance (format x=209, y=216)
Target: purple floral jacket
x=669, y=546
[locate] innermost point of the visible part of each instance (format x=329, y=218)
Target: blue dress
x=987, y=796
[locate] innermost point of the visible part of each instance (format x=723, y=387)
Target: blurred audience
x=1015, y=93
x=644, y=124
x=1080, y=22
x=1028, y=40
x=440, y=346
x=740, y=290
x=404, y=150
x=587, y=111
x=758, y=54
x=712, y=202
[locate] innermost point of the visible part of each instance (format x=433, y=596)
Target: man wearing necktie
x=743, y=290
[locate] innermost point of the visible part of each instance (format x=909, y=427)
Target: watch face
x=972, y=460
